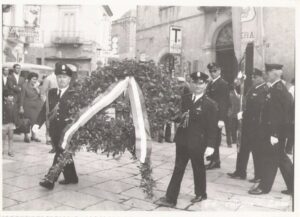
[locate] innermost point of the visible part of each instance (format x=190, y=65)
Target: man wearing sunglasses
x=217, y=90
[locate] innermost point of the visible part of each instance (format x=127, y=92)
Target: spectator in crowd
x=15, y=83
x=9, y=110
x=31, y=102
x=5, y=73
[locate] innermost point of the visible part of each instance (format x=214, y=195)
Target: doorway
x=225, y=56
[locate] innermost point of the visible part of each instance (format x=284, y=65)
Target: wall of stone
x=279, y=25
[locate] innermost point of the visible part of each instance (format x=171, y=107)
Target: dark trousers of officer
x=69, y=170
x=274, y=157
x=251, y=142
x=183, y=154
x=290, y=138
x=231, y=126
x=216, y=155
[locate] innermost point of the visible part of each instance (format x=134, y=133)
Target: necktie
x=59, y=93
x=194, y=98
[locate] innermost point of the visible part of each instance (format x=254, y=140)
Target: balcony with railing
x=67, y=37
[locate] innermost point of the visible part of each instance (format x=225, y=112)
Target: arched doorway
x=167, y=62
x=225, y=56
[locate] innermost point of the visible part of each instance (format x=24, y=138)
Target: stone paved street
x=109, y=184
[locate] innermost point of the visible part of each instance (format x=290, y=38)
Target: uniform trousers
x=183, y=155
x=251, y=142
x=274, y=157
x=69, y=170
x=216, y=155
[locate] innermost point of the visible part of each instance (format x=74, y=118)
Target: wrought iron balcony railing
x=67, y=37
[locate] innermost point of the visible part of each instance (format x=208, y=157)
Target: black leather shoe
x=66, y=182
x=47, y=184
x=213, y=165
x=254, y=180
x=199, y=198
x=163, y=201
x=288, y=192
x=235, y=175
x=26, y=139
x=257, y=191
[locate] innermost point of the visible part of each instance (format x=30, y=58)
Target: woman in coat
x=31, y=102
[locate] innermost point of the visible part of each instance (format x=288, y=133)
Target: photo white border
x=266, y=3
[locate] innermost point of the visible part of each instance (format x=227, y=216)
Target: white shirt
x=17, y=77
x=213, y=81
x=196, y=97
x=4, y=79
x=63, y=90
x=275, y=82
x=292, y=91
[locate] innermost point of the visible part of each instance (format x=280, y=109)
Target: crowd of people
x=23, y=98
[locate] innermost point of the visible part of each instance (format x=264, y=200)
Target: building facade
x=76, y=34
x=124, y=36
x=13, y=41
x=205, y=34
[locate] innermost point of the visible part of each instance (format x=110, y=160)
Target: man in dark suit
x=59, y=118
x=251, y=128
x=5, y=73
x=196, y=131
x=15, y=82
x=275, y=119
x=218, y=90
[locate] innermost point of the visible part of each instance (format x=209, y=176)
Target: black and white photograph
x=132, y=106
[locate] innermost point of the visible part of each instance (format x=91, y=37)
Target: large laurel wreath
x=162, y=99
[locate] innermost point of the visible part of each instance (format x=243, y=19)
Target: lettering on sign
x=175, y=39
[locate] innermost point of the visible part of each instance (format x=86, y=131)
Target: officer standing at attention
x=218, y=90
x=59, y=118
x=275, y=118
x=251, y=129
x=196, y=131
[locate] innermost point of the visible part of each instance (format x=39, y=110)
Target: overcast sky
x=119, y=9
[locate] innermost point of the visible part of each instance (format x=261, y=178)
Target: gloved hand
x=273, y=140
x=209, y=151
x=35, y=128
x=240, y=115
x=221, y=124
x=241, y=75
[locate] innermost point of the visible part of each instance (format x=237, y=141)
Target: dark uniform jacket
x=59, y=113
x=275, y=116
x=201, y=130
x=255, y=99
x=219, y=92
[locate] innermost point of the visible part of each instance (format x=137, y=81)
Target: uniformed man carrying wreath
x=197, y=130
x=59, y=118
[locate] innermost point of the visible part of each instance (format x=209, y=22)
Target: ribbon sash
x=139, y=115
